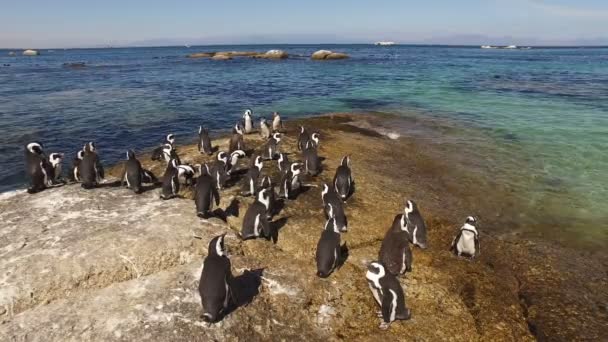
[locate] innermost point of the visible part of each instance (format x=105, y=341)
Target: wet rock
x=219, y=57
x=328, y=55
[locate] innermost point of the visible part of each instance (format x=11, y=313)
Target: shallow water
x=534, y=121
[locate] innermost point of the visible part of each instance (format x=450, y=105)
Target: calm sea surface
x=534, y=120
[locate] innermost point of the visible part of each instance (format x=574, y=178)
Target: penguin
x=37, y=167
x=264, y=129
x=303, y=138
x=283, y=163
x=388, y=293
x=229, y=162
x=311, y=159
x=148, y=177
x=55, y=160
x=205, y=193
x=290, y=182
x=185, y=174
x=215, y=282
x=165, y=152
x=395, y=253
x=170, y=186
x=91, y=170
x=74, y=171
x=132, y=174
x=236, y=140
x=277, y=124
x=251, y=180
x=158, y=153
x=255, y=222
x=328, y=249
x=248, y=121
x=415, y=225
x=343, y=179
x=272, y=146
x=315, y=139
x=466, y=242
x=219, y=175
x=204, y=142
x=333, y=207
x=267, y=184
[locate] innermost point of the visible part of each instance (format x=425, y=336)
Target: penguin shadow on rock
x=231, y=210
x=244, y=288
x=276, y=226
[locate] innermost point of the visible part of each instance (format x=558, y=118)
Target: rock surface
x=107, y=264
x=328, y=55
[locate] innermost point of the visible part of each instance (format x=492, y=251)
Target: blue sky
x=71, y=23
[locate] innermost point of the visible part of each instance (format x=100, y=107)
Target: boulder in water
x=273, y=54
x=221, y=57
x=31, y=53
x=328, y=54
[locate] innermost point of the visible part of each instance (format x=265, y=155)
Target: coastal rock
x=219, y=57
x=273, y=54
x=327, y=54
x=201, y=55
x=31, y=53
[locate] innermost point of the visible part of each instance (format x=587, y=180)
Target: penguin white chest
x=466, y=244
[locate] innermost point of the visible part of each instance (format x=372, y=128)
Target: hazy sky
x=69, y=23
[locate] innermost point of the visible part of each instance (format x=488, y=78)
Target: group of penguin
x=394, y=257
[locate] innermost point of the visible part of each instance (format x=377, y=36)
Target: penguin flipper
x=216, y=195
x=455, y=241
x=265, y=226
x=477, y=246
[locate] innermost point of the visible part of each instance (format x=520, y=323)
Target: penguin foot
x=379, y=313
x=384, y=326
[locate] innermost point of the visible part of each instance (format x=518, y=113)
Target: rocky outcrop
x=201, y=55
x=328, y=55
x=30, y=53
x=220, y=57
x=273, y=54
x=224, y=55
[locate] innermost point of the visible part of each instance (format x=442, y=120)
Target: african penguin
x=132, y=174
x=55, y=160
x=37, y=167
x=272, y=146
x=236, y=140
x=388, y=293
x=466, y=242
x=91, y=170
x=415, y=225
x=328, y=249
x=283, y=163
x=343, y=179
x=267, y=184
x=218, y=174
x=248, y=121
x=170, y=186
x=277, y=124
x=215, y=282
x=395, y=252
x=255, y=222
x=74, y=171
x=264, y=129
x=231, y=161
x=165, y=152
x=303, y=138
x=312, y=163
x=185, y=174
x=290, y=181
x=333, y=207
x=251, y=180
x=315, y=139
x=204, y=142
x=205, y=192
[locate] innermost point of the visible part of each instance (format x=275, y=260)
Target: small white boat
x=511, y=47
x=488, y=47
x=30, y=53
x=384, y=43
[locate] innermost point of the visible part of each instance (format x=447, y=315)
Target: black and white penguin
x=267, y=184
x=415, y=225
x=185, y=174
x=277, y=123
x=252, y=179
x=37, y=167
x=312, y=163
x=230, y=161
x=272, y=146
x=315, y=139
x=303, y=138
x=91, y=170
x=388, y=293
x=255, y=222
x=170, y=186
x=236, y=140
x=328, y=249
x=205, y=193
x=248, y=121
x=395, y=253
x=75, y=170
x=55, y=160
x=290, y=181
x=264, y=129
x=132, y=174
x=204, y=142
x=466, y=242
x=215, y=283
x=283, y=163
x=158, y=153
x=165, y=152
x=343, y=179
x=334, y=207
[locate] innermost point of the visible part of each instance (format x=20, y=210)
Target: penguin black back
x=215, y=282
x=204, y=142
x=328, y=249
x=343, y=178
x=415, y=225
x=205, y=192
x=91, y=170
x=132, y=175
x=395, y=252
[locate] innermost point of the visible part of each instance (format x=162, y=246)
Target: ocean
x=534, y=121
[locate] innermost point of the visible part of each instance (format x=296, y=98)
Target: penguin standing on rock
x=415, y=225
x=255, y=222
x=253, y=175
x=132, y=174
x=303, y=138
x=55, y=160
x=388, y=293
x=264, y=129
x=277, y=123
x=328, y=249
x=248, y=121
x=91, y=170
x=75, y=170
x=185, y=174
x=170, y=186
x=343, y=179
x=395, y=252
x=158, y=153
x=236, y=140
x=205, y=193
x=283, y=163
x=272, y=146
x=312, y=162
x=315, y=139
x=268, y=185
x=37, y=167
x=290, y=182
x=204, y=142
x=466, y=243
x=215, y=282
x=333, y=207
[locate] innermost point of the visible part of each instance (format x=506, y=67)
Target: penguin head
x=375, y=271
x=264, y=198
x=471, y=220
x=330, y=211
x=248, y=113
x=217, y=247
x=34, y=148
x=410, y=207
x=276, y=137
x=130, y=154
x=167, y=149
x=55, y=158
x=258, y=162
x=275, y=114
x=262, y=122
x=325, y=190
x=315, y=137
x=282, y=158
x=345, y=161
x=223, y=157
x=234, y=156
x=89, y=147
x=170, y=139
x=173, y=163
x=200, y=129
x=237, y=129
x=296, y=168
x=80, y=154
x=302, y=130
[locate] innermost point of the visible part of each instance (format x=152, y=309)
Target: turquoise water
x=535, y=120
